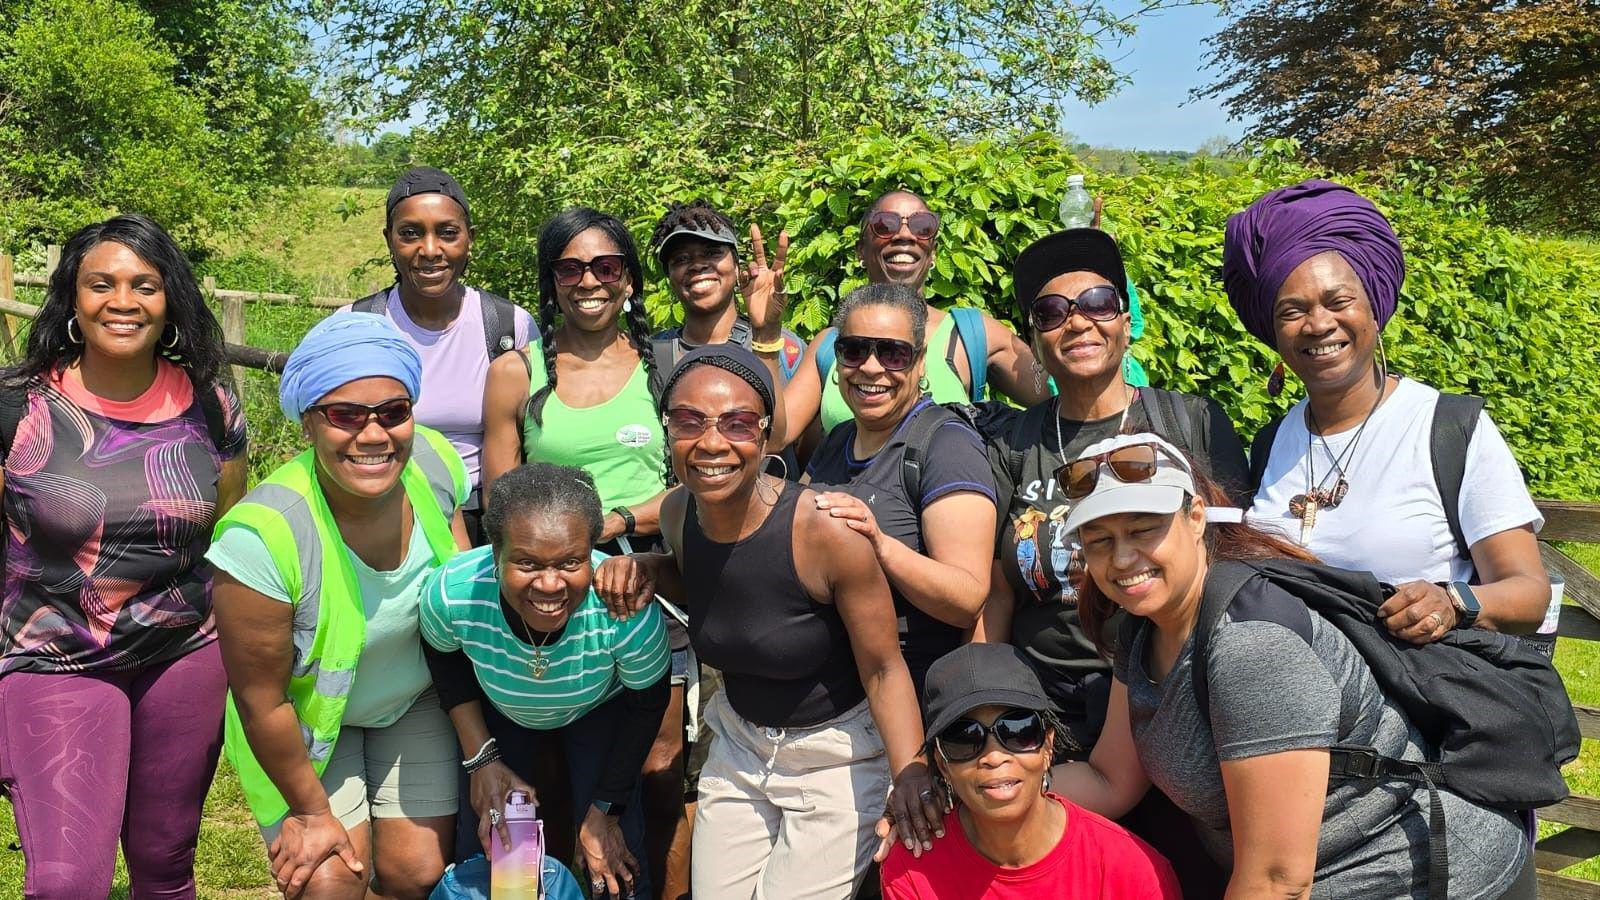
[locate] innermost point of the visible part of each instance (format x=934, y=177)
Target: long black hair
x=198, y=346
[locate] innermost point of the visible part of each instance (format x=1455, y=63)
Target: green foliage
x=184, y=114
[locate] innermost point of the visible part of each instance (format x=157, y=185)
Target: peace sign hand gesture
x=764, y=297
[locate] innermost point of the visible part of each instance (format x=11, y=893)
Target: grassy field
x=327, y=254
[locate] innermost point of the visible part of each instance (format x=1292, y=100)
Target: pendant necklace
x=540, y=663
x=1317, y=497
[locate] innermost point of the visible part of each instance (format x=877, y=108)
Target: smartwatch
x=1465, y=602
x=608, y=808
x=628, y=521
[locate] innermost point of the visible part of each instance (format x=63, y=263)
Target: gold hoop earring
x=1383, y=362
x=71, y=339
x=781, y=461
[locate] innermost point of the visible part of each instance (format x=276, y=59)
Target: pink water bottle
x=514, y=874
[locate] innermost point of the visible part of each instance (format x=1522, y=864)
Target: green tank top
x=620, y=442
x=943, y=382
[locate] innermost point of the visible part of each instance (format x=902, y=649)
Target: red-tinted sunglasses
x=885, y=224
x=607, y=269
x=353, y=417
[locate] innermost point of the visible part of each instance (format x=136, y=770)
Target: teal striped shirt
x=594, y=659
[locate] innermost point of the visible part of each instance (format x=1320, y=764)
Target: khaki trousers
x=787, y=814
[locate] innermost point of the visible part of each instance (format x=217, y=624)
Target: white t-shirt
x=1392, y=520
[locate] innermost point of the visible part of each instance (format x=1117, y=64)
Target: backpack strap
x=376, y=303
x=1261, y=451
x=13, y=406
x=499, y=323
x=1455, y=418
x=971, y=333
x=1222, y=585
x=825, y=355
x=664, y=350
x=216, y=419
x=917, y=440
x=741, y=333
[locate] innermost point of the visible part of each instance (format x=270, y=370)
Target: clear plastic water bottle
x=1077, y=207
x=514, y=874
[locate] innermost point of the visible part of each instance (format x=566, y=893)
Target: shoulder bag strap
x=1455, y=418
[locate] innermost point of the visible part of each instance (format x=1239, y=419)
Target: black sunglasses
x=1016, y=730
x=894, y=355
x=607, y=269
x=353, y=417
x=1101, y=303
x=740, y=425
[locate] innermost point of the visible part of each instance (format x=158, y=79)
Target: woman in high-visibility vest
x=346, y=759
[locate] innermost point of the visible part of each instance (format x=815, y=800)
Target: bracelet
x=486, y=754
x=772, y=346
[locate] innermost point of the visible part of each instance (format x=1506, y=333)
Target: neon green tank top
x=943, y=382
x=620, y=442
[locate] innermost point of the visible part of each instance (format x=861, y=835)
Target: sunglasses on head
x=607, y=269
x=1101, y=303
x=740, y=425
x=885, y=224
x=1132, y=464
x=1016, y=730
x=354, y=417
x=894, y=355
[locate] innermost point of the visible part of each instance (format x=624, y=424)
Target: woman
x=910, y=475
x=1285, y=686
x=123, y=443
x=1350, y=473
x=1072, y=288
x=1009, y=837
x=345, y=757
x=457, y=330
x=897, y=244
x=796, y=776
x=516, y=623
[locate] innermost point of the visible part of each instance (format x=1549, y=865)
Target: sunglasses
x=607, y=269
x=885, y=224
x=1132, y=464
x=1101, y=303
x=1017, y=730
x=894, y=355
x=740, y=425
x=353, y=417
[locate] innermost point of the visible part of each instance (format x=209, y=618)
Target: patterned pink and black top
x=108, y=512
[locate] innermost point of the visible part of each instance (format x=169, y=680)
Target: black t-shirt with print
x=1040, y=562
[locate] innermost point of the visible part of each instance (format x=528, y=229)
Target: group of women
x=958, y=638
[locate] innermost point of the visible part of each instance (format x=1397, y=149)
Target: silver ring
x=494, y=817
x=1437, y=617
x=926, y=795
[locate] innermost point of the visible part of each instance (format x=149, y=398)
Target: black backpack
x=1455, y=418
x=1493, y=709
x=499, y=318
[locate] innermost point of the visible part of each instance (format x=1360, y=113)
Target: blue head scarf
x=343, y=348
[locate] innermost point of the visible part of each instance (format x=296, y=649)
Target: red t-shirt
x=1095, y=858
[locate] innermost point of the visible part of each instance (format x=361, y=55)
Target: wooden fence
x=230, y=305
x=1580, y=620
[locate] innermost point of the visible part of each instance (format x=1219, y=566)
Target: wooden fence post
x=232, y=326
x=8, y=291
x=52, y=260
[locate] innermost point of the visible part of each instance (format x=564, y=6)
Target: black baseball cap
x=975, y=675
x=1073, y=250
x=425, y=180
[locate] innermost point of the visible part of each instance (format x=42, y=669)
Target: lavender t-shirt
x=455, y=367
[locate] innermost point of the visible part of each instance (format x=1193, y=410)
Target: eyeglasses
x=607, y=269
x=1101, y=303
x=885, y=224
x=894, y=355
x=1017, y=730
x=1132, y=464
x=353, y=417
x=740, y=425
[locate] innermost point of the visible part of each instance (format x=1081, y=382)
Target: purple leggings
x=89, y=757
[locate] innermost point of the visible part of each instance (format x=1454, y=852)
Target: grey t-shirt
x=1281, y=679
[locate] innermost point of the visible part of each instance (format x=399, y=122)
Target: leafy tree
x=1509, y=89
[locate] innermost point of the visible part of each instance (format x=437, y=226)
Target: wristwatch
x=628, y=521
x=608, y=808
x=1465, y=602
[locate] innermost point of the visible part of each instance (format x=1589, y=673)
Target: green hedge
x=1484, y=310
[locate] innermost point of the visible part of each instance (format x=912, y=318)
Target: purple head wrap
x=1290, y=225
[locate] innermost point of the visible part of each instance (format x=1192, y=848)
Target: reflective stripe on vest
x=289, y=514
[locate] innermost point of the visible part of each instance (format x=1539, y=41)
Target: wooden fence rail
x=1580, y=620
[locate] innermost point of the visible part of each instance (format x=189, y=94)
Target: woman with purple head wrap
x=1357, y=472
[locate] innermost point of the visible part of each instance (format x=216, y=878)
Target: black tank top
x=785, y=658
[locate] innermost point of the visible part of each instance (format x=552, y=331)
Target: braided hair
x=698, y=214
x=554, y=236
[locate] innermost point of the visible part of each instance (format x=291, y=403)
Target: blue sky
x=1165, y=60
